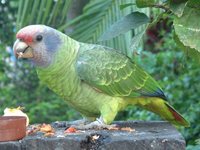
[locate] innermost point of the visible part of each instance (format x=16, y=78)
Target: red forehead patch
x=28, y=33
x=25, y=37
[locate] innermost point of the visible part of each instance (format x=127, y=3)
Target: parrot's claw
x=98, y=125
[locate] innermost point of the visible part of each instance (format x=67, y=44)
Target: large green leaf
x=191, y=52
x=136, y=40
x=145, y=3
x=187, y=28
x=177, y=8
x=126, y=5
x=131, y=21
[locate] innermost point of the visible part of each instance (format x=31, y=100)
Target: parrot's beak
x=22, y=50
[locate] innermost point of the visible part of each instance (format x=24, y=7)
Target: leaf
x=178, y=1
x=194, y=4
x=187, y=28
x=188, y=51
x=177, y=8
x=131, y=21
x=126, y=5
x=197, y=141
x=145, y=3
x=136, y=41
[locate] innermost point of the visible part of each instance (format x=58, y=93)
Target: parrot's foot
x=71, y=123
x=98, y=124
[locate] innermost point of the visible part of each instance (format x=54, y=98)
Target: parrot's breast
x=79, y=95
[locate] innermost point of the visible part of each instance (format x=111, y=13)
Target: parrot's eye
x=39, y=38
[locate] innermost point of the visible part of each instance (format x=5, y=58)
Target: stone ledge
x=147, y=136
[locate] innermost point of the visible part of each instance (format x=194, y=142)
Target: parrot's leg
x=97, y=124
x=108, y=113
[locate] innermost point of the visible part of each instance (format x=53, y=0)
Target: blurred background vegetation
x=86, y=21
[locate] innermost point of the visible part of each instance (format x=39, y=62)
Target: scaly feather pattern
x=114, y=73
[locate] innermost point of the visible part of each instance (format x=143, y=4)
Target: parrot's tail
x=165, y=110
x=177, y=118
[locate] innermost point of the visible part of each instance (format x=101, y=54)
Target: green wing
x=115, y=74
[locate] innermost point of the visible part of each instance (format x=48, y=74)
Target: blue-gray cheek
x=52, y=42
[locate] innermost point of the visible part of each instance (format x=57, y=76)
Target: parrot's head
x=37, y=43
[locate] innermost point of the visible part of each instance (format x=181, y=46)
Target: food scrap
x=127, y=129
x=70, y=130
x=113, y=128
x=47, y=129
x=49, y=134
x=95, y=137
x=33, y=130
x=122, y=129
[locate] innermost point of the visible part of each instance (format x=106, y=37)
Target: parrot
x=96, y=80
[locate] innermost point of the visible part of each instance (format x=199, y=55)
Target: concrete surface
x=147, y=136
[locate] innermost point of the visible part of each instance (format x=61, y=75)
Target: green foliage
x=193, y=147
x=49, y=12
x=177, y=8
x=186, y=23
x=131, y=21
x=97, y=17
x=145, y=3
x=187, y=29
x=126, y=5
x=7, y=17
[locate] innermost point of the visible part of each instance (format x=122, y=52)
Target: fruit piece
x=16, y=112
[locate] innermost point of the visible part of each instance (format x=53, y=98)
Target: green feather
x=114, y=73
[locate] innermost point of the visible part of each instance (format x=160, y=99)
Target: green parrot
x=95, y=80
